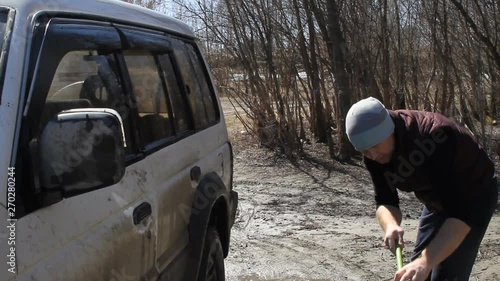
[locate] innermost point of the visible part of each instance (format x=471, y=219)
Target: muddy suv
x=115, y=157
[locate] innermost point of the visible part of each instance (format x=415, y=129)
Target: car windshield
x=4, y=40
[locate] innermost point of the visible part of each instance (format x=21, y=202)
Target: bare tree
x=343, y=88
x=294, y=67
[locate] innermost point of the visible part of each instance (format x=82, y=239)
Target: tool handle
x=399, y=256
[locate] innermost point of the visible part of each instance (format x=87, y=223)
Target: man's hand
x=389, y=218
x=418, y=270
x=393, y=236
x=449, y=237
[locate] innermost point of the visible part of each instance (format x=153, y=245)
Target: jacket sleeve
x=440, y=166
x=385, y=194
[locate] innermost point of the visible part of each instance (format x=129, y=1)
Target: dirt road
x=315, y=221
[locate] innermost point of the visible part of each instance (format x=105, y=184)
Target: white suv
x=115, y=157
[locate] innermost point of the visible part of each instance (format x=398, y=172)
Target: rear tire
x=212, y=259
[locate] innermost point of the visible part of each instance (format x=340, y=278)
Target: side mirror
x=80, y=150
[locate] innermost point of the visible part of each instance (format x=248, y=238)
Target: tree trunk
x=343, y=89
x=400, y=82
x=319, y=124
x=386, y=67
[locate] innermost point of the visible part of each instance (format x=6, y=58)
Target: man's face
x=381, y=152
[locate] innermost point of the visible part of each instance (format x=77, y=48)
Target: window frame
x=42, y=78
x=47, y=51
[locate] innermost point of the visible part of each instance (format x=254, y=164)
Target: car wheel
x=212, y=259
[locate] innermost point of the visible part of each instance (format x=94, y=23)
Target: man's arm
x=388, y=213
x=389, y=218
x=446, y=241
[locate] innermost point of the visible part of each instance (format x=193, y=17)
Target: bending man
x=449, y=172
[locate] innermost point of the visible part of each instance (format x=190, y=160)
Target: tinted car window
x=195, y=83
x=206, y=94
x=150, y=95
x=86, y=79
x=180, y=107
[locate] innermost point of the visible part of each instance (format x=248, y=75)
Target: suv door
x=106, y=234
x=183, y=139
x=164, y=121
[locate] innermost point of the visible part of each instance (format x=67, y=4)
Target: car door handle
x=141, y=212
x=195, y=173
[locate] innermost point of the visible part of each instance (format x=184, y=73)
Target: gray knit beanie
x=368, y=123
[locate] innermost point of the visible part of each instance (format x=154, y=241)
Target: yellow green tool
x=399, y=256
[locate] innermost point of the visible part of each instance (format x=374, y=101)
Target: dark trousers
x=458, y=266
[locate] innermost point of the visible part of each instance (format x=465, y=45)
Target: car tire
x=212, y=259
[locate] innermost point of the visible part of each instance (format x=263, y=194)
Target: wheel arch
x=210, y=206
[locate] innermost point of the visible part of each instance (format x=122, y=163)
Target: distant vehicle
x=238, y=77
x=115, y=160
x=302, y=75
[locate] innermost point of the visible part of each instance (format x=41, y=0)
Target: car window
x=180, y=107
x=206, y=94
x=77, y=77
x=3, y=44
x=200, y=95
x=86, y=79
x=150, y=95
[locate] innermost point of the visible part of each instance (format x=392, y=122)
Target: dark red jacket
x=440, y=161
